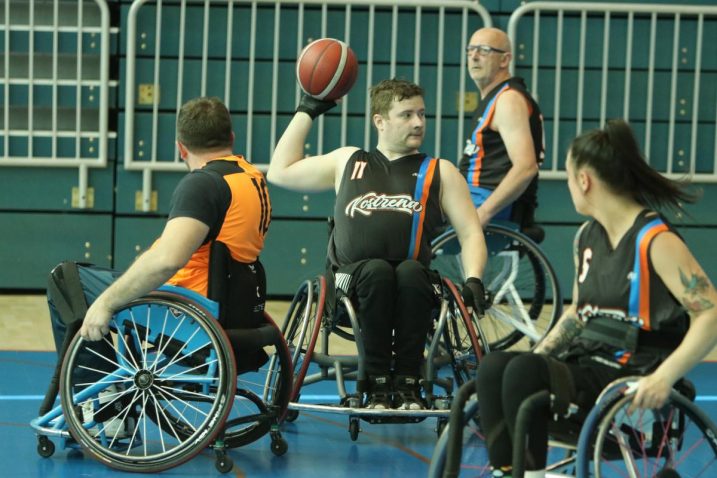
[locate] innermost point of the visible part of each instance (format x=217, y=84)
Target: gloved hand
x=474, y=295
x=314, y=107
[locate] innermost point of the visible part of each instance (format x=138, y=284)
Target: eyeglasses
x=483, y=50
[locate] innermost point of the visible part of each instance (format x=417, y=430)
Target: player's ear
x=584, y=181
x=377, y=121
x=183, y=151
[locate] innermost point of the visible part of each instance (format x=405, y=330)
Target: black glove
x=474, y=295
x=313, y=106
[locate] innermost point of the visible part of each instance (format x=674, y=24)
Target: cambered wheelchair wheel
x=301, y=329
x=168, y=393
x=262, y=397
x=522, y=286
x=460, y=340
x=678, y=440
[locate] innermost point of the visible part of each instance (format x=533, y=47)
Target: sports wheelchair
x=524, y=295
x=677, y=440
x=171, y=389
x=451, y=357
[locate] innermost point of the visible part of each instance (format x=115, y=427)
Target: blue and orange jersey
x=485, y=160
x=386, y=209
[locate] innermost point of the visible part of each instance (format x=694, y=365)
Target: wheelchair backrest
x=239, y=288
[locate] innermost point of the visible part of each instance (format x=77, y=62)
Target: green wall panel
x=294, y=251
x=134, y=235
x=32, y=244
x=28, y=189
x=286, y=203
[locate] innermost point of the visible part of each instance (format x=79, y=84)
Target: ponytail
x=613, y=153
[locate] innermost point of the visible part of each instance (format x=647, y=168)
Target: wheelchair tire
x=460, y=340
x=678, y=439
x=172, y=359
x=520, y=281
x=301, y=328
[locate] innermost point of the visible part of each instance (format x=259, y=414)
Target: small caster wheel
x=45, y=447
x=291, y=415
x=279, y=446
x=224, y=464
x=354, y=428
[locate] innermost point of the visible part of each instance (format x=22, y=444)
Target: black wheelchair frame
x=452, y=343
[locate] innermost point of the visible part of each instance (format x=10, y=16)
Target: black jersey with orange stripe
x=230, y=196
x=386, y=209
x=485, y=160
x=621, y=284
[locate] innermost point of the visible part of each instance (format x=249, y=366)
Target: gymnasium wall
x=39, y=226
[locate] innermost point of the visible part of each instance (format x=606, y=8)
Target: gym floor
x=318, y=443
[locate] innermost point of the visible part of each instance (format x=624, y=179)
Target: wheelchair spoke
x=107, y=359
x=174, y=358
x=167, y=420
x=189, y=371
x=171, y=337
x=164, y=392
x=161, y=346
x=124, y=342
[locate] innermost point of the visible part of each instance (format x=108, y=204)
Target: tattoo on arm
x=560, y=337
x=693, y=298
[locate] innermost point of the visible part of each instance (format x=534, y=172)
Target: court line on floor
x=304, y=398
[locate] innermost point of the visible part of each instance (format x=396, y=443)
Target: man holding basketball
x=390, y=203
x=503, y=153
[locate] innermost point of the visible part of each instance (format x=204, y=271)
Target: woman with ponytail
x=642, y=305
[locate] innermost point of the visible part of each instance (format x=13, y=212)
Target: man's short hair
x=386, y=92
x=204, y=124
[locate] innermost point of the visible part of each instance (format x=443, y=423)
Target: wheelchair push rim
x=170, y=383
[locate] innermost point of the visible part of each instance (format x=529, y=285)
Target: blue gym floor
x=319, y=444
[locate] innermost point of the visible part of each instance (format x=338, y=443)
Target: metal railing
x=252, y=67
x=653, y=65
x=54, y=73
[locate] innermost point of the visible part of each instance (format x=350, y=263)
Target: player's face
x=405, y=125
x=485, y=63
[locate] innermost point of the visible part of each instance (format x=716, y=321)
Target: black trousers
x=506, y=379
x=394, y=304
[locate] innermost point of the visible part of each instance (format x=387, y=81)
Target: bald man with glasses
x=505, y=148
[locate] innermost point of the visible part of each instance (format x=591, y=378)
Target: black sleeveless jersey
x=485, y=160
x=622, y=285
x=386, y=209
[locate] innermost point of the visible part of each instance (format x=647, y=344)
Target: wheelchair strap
x=615, y=333
x=562, y=388
x=65, y=290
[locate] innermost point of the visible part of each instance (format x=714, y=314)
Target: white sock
x=534, y=474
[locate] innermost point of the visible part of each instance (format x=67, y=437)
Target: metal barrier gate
x=252, y=68
x=654, y=65
x=54, y=72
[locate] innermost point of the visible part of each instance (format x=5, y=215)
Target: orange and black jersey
x=230, y=196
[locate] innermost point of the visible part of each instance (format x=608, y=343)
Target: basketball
x=326, y=69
